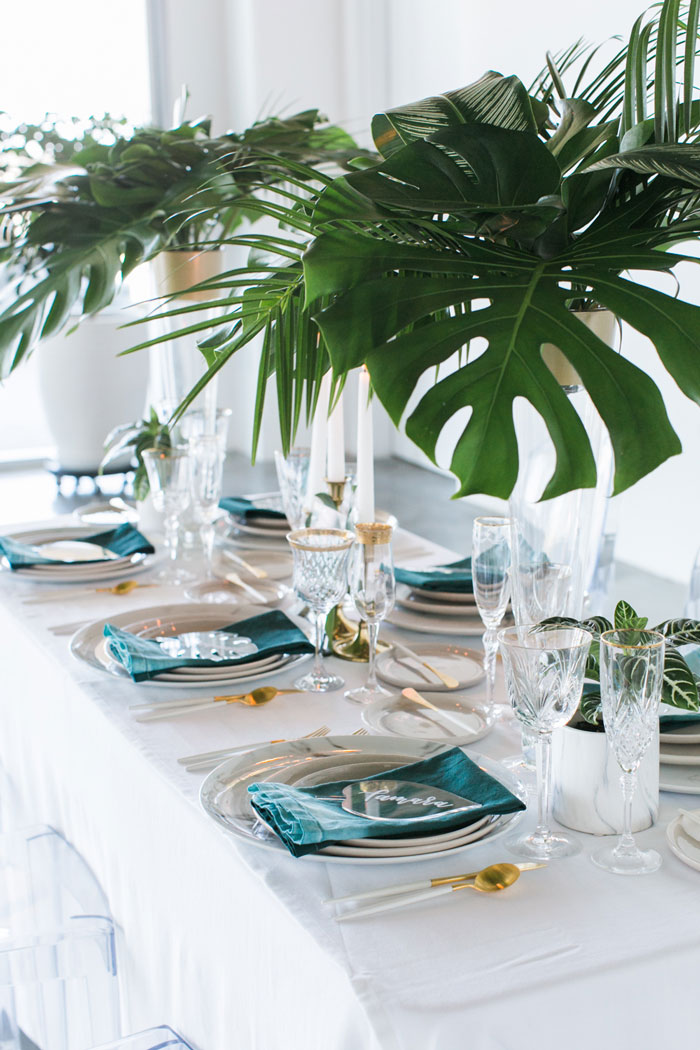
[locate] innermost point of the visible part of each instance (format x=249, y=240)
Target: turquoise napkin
x=124, y=540
x=455, y=577
x=668, y=723
x=306, y=820
x=143, y=658
x=245, y=508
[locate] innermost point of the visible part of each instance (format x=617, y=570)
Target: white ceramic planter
x=586, y=790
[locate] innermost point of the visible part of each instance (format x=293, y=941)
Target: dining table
x=235, y=945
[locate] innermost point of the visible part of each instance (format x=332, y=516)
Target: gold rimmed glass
x=320, y=581
x=372, y=586
x=631, y=679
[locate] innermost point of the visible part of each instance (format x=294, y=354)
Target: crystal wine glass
x=490, y=562
x=169, y=479
x=292, y=473
x=207, y=463
x=544, y=673
x=372, y=586
x=320, y=580
x=631, y=677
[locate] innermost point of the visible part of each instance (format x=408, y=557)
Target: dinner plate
x=244, y=525
x=469, y=626
x=683, y=779
x=417, y=601
x=225, y=798
x=681, y=844
x=89, y=644
x=465, y=665
x=70, y=572
x=687, y=734
x=453, y=597
x=399, y=716
x=680, y=755
x=269, y=591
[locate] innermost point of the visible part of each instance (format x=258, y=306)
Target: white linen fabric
x=234, y=946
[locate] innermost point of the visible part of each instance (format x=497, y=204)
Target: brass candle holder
x=347, y=639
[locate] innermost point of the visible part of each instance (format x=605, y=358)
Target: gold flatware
x=416, y=698
x=123, y=587
x=236, y=580
x=447, y=680
x=173, y=708
x=259, y=574
x=492, y=879
x=425, y=884
x=208, y=760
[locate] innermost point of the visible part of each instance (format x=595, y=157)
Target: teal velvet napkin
x=245, y=508
x=306, y=820
x=124, y=540
x=455, y=577
x=272, y=632
x=668, y=723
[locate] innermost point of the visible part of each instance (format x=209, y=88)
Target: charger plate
x=398, y=716
x=85, y=570
x=225, y=798
x=90, y=646
x=465, y=665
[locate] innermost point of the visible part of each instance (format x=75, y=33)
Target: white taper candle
x=336, y=443
x=364, y=496
x=319, y=441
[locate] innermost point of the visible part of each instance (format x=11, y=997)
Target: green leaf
x=591, y=708
x=680, y=688
x=680, y=631
x=626, y=618
x=679, y=161
x=493, y=99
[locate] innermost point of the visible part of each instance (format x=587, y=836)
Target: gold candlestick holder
x=336, y=490
x=347, y=639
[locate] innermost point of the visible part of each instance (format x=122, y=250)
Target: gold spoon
x=171, y=708
x=489, y=880
x=123, y=587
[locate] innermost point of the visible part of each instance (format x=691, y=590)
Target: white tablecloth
x=233, y=945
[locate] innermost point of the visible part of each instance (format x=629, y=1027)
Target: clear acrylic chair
x=153, y=1039
x=58, y=970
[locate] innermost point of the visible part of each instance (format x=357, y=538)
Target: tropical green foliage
x=680, y=686
x=495, y=211
x=136, y=438
x=73, y=231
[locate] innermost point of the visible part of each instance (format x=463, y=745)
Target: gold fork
x=201, y=763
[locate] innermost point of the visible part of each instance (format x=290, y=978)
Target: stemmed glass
x=631, y=677
x=169, y=479
x=544, y=673
x=490, y=562
x=320, y=580
x=292, y=473
x=207, y=464
x=372, y=586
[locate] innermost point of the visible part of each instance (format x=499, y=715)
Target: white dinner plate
x=451, y=597
x=224, y=793
x=241, y=525
x=417, y=601
x=467, y=626
x=89, y=644
x=74, y=572
x=399, y=716
x=681, y=844
x=683, y=779
x=680, y=755
x=465, y=665
x=687, y=734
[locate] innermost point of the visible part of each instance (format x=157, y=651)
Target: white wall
x=245, y=58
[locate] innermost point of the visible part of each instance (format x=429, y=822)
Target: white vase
x=586, y=789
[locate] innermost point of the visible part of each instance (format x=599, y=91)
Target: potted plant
x=586, y=793
x=499, y=212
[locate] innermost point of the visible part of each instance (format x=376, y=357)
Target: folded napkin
x=124, y=540
x=272, y=632
x=455, y=577
x=245, y=508
x=668, y=723
x=306, y=819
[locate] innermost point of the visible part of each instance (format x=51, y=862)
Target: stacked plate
x=254, y=532
x=680, y=760
x=308, y=762
x=73, y=559
x=436, y=612
x=173, y=621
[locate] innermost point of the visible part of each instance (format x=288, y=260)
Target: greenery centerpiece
x=495, y=213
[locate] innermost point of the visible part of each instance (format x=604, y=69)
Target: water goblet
x=631, y=677
x=292, y=473
x=372, y=586
x=544, y=673
x=169, y=479
x=490, y=562
x=207, y=463
x=320, y=581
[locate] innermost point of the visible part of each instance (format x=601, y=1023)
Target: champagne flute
x=372, y=586
x=168, y=472
x=490, y=562
x=544, y=678
x=320, y=581
x=631, y=678
x=292, y=474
